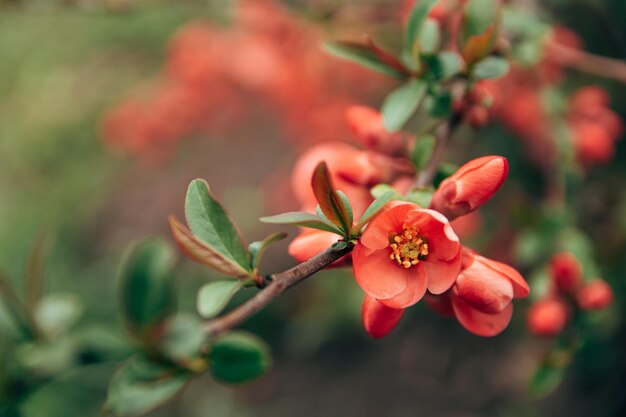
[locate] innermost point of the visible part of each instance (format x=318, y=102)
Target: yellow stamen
x=408, y=248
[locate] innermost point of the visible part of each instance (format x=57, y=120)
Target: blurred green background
x=63, y=64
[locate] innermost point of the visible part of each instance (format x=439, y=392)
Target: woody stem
x=276, y=284
x=443, y=134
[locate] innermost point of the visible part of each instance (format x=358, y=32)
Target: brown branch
x=278, y=283
x=587, y=63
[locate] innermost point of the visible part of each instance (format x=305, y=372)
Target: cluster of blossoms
x=257, y=68
x=408, y=252
x=568, y=292
x=518, y=100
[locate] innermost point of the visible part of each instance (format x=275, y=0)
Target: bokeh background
x=64, y=67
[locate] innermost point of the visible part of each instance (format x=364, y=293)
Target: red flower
x=547, y=317
x=595, y=295
x=310, y=242
x=404, y=251
x=470, y=186
x=566, y=272
x=481, y=297
x=378, y=319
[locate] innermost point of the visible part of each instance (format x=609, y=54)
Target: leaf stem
x=588, y=63
x=276, y=285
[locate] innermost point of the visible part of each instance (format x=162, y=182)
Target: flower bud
x=566, y=272
x=593, y=143
x=470, y=186
x=595, y=295
x=547, y=317
x=378, y=319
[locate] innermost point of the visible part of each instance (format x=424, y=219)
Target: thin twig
x=278, y=283
x=588, y=63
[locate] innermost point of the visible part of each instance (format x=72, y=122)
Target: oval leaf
x=416, y=21
x=214, y=296
x=490, y=67
x=210, y=223
x=334, y=207
x=202, y=253
x=238, y=357
x=374, y=208
x=147, y=293
x=141, y=385
x=301, y=218
x=401, y=103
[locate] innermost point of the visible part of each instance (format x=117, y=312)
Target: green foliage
x=335, y=207
x=215, y=296
x=301, y=218
x=147, y=293
x=238, y=357
x=257, y=249
x=140, y=385
x=402, y=103
x=374, y=208
x=490, y=67
x=183, y=339
x=479, y=15
x=209, y=222
x=423, y=150
x=414, y=27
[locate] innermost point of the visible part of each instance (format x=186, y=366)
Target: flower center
x=408, y=248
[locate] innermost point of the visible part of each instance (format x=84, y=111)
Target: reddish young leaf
x=331, y=203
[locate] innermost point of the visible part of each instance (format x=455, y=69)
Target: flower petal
x=484, y=289
x=443, y=243
x=378, y=319
x=311, y=242
x=378, y=275
x=415, y=289
x=442, y=274
x=481, y=324
x=376, y=236
x=520, y=286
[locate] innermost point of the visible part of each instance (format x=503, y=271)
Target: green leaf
x=215, y=296
x=420, y=196
x=422, y=151
x=257, y=248
x=147, y=294
x=490, y=67
x=211, y=224
x=301, y=218
x=429, y=38
x=379, y=190
x=184, y=337
x=202, y=253
x=441, y=106
x=479, y=15
x=238, y=357
x=56, y=314
x=332, y=204
x=363, y=55
x=374, y=208
x=546, y=380
x=346, y=202
x=401, y=103
x=141, y=385
x=418, y=16
x=444, y=65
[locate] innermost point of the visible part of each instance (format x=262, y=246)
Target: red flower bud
x=547, y=317
x=470, y=186
x=478, y=116
x=595, y=295
x=566, y=272
x=378, y=319
x=593, y=143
